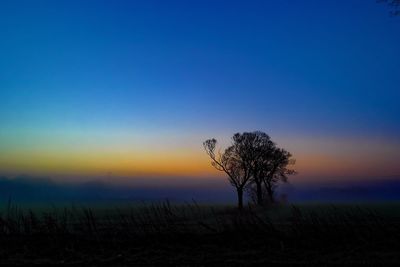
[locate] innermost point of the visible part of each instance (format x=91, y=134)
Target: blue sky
x=196, y=69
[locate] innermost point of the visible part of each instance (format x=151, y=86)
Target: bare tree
x=276, y=170
x=252, y=159
x=254, y=149
x=233, y=162
x=263, y=148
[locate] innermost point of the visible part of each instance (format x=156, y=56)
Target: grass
x=193, y=234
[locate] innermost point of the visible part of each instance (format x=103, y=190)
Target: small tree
x=276, y=169
x=252, y=157
x=233, y=162
x=262, y=147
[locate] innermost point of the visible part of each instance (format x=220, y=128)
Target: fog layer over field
x=26, y=188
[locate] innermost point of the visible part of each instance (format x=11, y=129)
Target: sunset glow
x=132, y=90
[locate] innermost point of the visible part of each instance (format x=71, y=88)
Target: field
x=200, y=235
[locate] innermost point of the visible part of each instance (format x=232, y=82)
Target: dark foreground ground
x=193, y=235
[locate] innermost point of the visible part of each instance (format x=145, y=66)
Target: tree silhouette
x=233, y=162
x=252, y=158
x=263, y=148
x=276, y=169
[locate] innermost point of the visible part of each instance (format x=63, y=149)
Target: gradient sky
x=132, y=88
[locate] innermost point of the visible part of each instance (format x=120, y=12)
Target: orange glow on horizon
x=315, y=159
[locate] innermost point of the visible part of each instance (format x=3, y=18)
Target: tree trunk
x=259, y=194
x=270, y=194
x=240, y=197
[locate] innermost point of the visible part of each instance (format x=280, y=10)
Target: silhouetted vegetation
x=190, y=234
x=252, y=159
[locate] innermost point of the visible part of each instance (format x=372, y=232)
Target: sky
x=130, y=89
